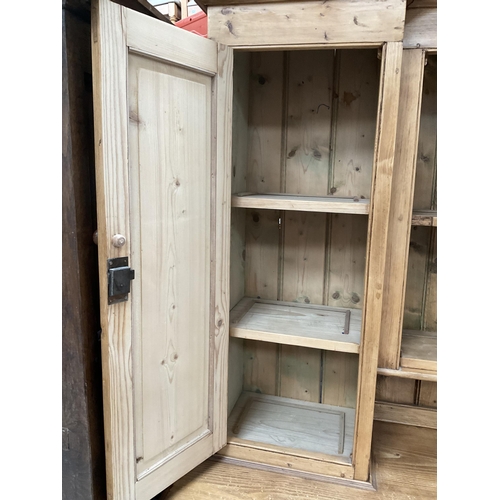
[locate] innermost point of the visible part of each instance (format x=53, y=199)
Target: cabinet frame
x=378, y=224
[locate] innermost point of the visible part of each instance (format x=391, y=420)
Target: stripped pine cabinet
x=251, y=184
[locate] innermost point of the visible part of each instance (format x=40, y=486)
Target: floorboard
x=405, y=468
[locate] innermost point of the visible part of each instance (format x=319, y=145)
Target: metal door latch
x=119, y=277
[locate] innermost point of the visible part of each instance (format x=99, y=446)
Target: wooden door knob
x=118, y=240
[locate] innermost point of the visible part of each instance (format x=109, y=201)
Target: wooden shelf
x=419, y=351
x=326, y=204
x=424, y=218
x=310, y=430
x=291, y=323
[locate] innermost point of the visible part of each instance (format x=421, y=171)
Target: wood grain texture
x=265, y=122
x=109, y=73
x=416, y=280
x=421, y=29
x=405, y=466
x=312, y=22
x=222, y=172
x=324, y=204
x=132, y=129
x=172, y=192
x=419, y=350
x=83, y=467
x=309, y=115
x=376, y=254
x=425, y=177
x=408, y=374
x=179, y=46
x=396, y=390
x=347, y=261
x=406, y=415
x=356, y=94
x=430, y=306
x=428, y=394
x=300, y=372
x=262, y=254
x=284, y=461
x=340, y=379
x=304, y=257
x=410, y=98
x=318, y=327
x=277, y=422
x=261, y=367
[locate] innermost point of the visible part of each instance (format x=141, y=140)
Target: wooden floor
x=405, y=467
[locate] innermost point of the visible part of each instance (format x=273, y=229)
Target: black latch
x=119, y=277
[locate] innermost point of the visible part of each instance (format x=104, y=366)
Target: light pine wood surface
x=419, y=350
x=376, y=254
x=405, y=468
x=173, y=206
x=326, y=204
x=289, y=423
x=318, y=327
x=410, y=97
x=310, y=22
x=421, y=29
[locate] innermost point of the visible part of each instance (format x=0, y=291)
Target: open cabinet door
x=162, y=105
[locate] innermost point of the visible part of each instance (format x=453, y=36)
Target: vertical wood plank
x=265, y=122
x=300, y=371
x=401, y=206
x=416, y=280
x=260, y=369
x=357, y=95
x=376, y=254
x=304, y=256
x=240, y=137
x=428, y=394
x=427, y=139
x=222, y=173
x=261, y=255
x=109, y=72
x=396, y=390
x=303, y=276
x=347, y=261
x=261, y=280
x=430, y=306
x=340, y=379
x=309, y=113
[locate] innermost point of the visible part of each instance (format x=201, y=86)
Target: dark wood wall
x=83, y=470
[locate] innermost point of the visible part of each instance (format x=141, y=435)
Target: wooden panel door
x=163, y=119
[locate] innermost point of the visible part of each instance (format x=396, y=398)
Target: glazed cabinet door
x=162, y=106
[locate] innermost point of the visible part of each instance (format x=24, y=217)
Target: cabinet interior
x=419, y=341
x=304, y=126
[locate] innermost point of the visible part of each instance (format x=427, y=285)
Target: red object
x=196, y=23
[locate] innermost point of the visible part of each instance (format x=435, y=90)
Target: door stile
x=109, y=54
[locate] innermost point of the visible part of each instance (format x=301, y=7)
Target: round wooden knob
x=118, y=240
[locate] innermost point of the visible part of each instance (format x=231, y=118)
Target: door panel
x=162, y=165
x=169, y=144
